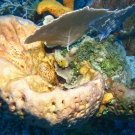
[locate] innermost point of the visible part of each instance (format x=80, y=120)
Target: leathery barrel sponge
x=29, y=87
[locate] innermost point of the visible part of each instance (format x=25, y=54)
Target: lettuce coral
x=70, y=31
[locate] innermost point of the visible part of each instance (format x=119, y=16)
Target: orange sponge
x=53, y=7
x=69, y=3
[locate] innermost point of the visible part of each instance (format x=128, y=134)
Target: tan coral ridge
x=28, y=82
x=63, y=31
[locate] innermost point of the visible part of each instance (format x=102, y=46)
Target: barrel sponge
x=26, y=85
x=53, y=7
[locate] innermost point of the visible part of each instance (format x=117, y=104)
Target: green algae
x=104, y=57
x=107, y=57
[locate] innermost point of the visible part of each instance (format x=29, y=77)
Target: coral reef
x=123, y=104
x=111, y=4
x=25, y=9
x=65, y=88
x=75, y=73
x=128, y=26
x=128, y=36
x=81, y=3
x=108, y=57
x=131, y=63
x=78, y=4
x=54, y=7
x=106, y=25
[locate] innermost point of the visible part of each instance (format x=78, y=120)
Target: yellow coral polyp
x=53, y=7
x=62, y=63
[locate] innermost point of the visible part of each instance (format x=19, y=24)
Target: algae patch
x=107, y=57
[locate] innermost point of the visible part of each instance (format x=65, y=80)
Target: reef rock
x=111, y=4
x=123, y=104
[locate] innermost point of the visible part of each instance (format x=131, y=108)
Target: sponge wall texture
x=28, y=90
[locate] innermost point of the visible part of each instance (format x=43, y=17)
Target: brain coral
x=29, y=86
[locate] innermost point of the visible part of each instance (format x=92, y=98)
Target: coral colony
x=22, y=8
x=86, y=74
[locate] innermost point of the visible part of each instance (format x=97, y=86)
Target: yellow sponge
x=53, y=7
x=107, y=98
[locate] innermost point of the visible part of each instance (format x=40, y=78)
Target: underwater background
x=98, y=126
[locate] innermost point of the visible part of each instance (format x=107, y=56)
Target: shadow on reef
x=11, y=124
